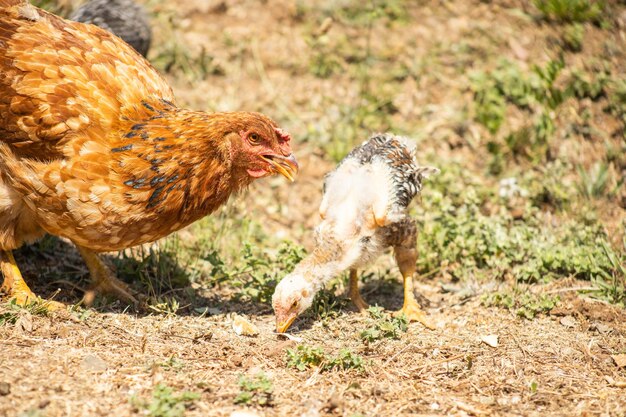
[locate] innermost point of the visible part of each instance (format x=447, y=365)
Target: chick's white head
x=292, y=296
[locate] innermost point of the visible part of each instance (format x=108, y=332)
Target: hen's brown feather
x=92, y=146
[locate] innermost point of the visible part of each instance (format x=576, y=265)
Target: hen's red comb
x=284, y=136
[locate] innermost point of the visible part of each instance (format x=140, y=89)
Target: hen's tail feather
x=19, y=173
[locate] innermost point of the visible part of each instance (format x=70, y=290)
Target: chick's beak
x=283, y=323
x=287, y=166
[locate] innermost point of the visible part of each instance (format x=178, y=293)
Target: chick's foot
x=413, y=312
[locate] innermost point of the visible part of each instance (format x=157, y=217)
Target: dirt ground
x=65, y=366
x=92, y=362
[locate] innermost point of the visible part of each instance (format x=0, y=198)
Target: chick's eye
x=294, y=304
x=254, y=138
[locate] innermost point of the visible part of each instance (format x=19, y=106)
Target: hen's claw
x=15, y=288
x=104, y=281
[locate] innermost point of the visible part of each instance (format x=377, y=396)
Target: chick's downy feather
x=364, y=211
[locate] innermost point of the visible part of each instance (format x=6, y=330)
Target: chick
x=364, y=211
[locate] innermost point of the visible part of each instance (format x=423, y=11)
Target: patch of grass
x=385, y=326
x=571, y=10
x=617, y=100
x=594, y=181
x=364, y=13
x=164, y=402
x=159, y=270
x=257, y=389
x=326, y=303
x=592, y=86
x=171, y=54
x=612, y=284
x=256, y=274
x=458, y=234
x=573, y=36
x=305, y=357
x=61, y=8
x=523, y=303
x=172, y=363
x=10, y=312
x=536, y=94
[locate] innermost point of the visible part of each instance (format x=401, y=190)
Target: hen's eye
x=254, y=138
x=294, y=304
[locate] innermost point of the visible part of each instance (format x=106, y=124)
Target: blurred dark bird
x=93, y=147
x=124, y=18
x=364, y=211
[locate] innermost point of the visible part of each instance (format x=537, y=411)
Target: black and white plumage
x=124, y=18
x=364, y=211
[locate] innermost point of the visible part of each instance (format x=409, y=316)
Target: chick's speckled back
x=366, y=198
x=398, y=154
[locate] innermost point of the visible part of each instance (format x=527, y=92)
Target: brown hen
x=93, y=147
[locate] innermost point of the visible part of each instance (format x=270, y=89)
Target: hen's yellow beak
x=287, y=166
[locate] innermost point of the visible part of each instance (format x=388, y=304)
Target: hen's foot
x=15, y=288
x=104, y=282
x=112, y=286
x=413, y=312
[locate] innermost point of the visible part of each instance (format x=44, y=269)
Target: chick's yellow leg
x=406, y=259
x=354, y=293
x=14, y=286
x=103, y=280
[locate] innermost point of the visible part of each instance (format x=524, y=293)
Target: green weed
x=305, y=357
x=171, y=54
x=525, y=304
x=364, y=13
x=256, y=275
x=617, y=100
x=165, y=403
x=612, y=284
x=326, y=303
x=536, y=93
x=593, y=182
x=592, y=86
x=255, y=390
x=385, y=326
x=10, y=312
x=61, y=8
x=571, y=10
x=457, y=234
x=158, y=269
x=573, y=36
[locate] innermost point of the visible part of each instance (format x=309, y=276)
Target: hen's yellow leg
x=103, y=280
x=14, y=286
x=354, y=293
x=406, y=259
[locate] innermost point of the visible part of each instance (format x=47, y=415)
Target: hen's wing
x=66, y=85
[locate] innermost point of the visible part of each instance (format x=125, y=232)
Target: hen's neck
x=179, y=162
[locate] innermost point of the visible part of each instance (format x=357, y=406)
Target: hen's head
x=293, y=295
x=260, y=148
